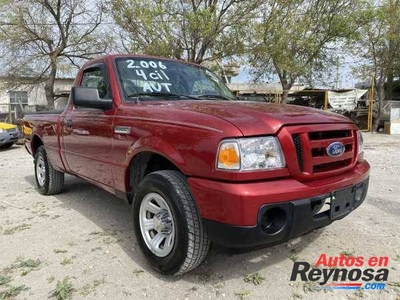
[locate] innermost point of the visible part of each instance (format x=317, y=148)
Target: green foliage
x=63, y=290
x=57, y=250
x=378, y=41
x=298, y=38
x=347, y=253
x=66, y=261
x=50, y=279
x=39, y=38
x=294, y=257
x=255, y=278
x=26, y=266
x=311, y=287
x=4, y=279
x=190, y=30
x=378, y=44
x=12, y=291
x=90, y=288
x=242, y=294
x=17, y=228
x=137, y=272
x=28, y=263
x=394, y=284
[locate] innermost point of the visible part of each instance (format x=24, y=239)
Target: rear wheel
x=48, y=180
x=167, y=223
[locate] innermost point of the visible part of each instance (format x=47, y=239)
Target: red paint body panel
x=239, y=203
x=82, y=142
x=88, y=148
x=46, y=127
x=255, y=118
x=162, y=132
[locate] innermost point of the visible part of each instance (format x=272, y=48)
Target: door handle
x=68, y=123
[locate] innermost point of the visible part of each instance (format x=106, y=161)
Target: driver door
x=87, y=132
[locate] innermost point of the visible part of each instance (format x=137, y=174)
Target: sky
x=346, y=78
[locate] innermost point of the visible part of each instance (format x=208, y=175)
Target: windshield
x=152, y=78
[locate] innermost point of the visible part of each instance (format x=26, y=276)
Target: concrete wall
x=36, y=94
x=61, y=103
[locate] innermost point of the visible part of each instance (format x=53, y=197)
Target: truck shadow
x=114, y=215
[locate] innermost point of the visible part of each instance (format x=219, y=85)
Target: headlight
x=247, y=154
x=360, y=143
x=1, y=130
x=229, y=156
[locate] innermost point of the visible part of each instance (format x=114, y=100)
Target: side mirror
x=89, y=97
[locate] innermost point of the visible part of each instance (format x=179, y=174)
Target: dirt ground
x=86, y=234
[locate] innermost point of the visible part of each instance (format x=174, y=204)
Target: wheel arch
x=36, y=142
x=143, y=163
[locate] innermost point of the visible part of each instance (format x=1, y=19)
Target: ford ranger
x=196, y=164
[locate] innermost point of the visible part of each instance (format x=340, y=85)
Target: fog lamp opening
x=274, y=220
x=359, y=191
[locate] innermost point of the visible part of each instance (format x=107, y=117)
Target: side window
x=94, y=78
x=202, y=87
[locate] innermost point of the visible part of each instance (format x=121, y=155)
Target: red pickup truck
x=196, y=164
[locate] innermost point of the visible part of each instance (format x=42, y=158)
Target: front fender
x=159, y=146
x=123, y=157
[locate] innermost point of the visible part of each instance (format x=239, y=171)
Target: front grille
x=320, y=140
x=331, y=166
x=299, y=150
x=311, y=150
x=11, y=129
x=324, y=135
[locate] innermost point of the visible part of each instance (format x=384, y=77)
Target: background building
x=16, y=99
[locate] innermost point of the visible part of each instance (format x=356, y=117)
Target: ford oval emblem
x=335, y=149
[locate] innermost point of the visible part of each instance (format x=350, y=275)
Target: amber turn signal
x=228, y=156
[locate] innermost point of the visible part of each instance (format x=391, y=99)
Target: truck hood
x=254, y=118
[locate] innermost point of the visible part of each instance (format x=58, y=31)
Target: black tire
x=53, y=181
x=6, y=146
x=191, y=243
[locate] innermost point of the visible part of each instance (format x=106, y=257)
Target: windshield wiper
x=161, y=94
x=215, y=96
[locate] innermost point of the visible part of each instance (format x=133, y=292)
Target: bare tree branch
x=42, y=34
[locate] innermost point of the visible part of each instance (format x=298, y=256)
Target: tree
x=297, y=38
x=38, y=38
x=192, y=30
x=379, y=45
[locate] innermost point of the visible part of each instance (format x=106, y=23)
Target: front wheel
x=48, y=180
x=167, y=223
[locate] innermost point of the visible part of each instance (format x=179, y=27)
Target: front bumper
x=278, y=223
x=233, y=212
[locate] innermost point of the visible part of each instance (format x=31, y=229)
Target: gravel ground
x=85, y=234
